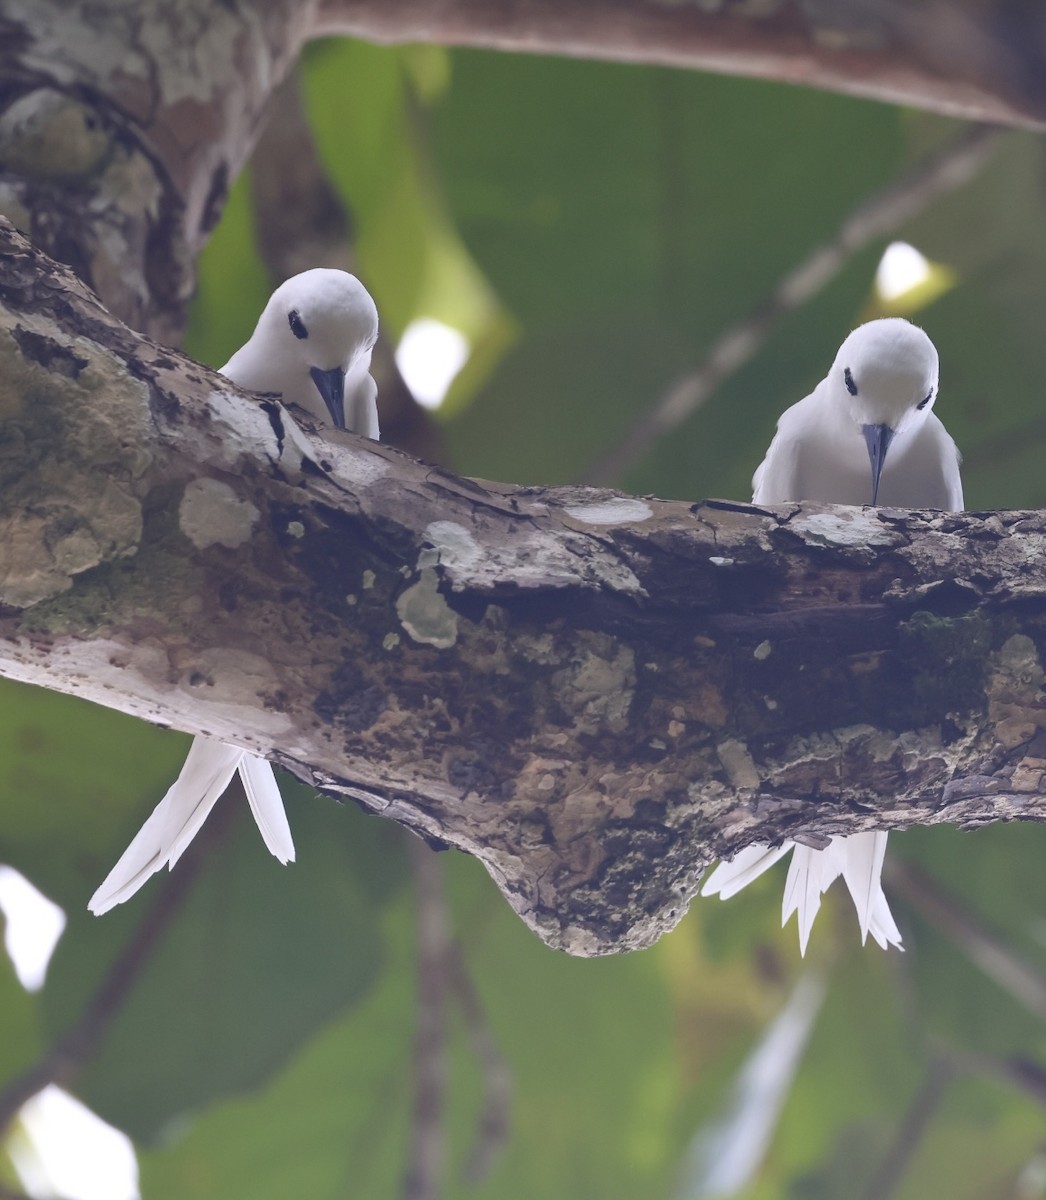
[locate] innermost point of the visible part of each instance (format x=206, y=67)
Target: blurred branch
x=75, y=1047
x=1023, y=1074
x=427, y=1152
x=941, y=173
x=442, y=975
x=302, y=221
x=911, y=1129
x=980, y=59
x=983, y=948
x=494, y=1124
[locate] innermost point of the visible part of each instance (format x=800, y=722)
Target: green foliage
x=592, y=228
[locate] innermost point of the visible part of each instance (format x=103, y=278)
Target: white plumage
x=874, y=409
x=312, y=344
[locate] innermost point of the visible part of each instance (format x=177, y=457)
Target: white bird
x=873, y=408
x=312, y=344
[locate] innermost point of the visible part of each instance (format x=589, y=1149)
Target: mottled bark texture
x=594, y=694
x=121, y=127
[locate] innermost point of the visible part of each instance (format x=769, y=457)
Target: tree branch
x=980, y=59
x=912, y=1128
x=594, y=694
x=119, y=137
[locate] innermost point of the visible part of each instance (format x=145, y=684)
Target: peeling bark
x=594, y=694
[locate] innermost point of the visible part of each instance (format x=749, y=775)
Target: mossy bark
x=595, y=694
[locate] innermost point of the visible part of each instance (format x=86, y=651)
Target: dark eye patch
x=848, y=379
x=297, y=324
x=926, y=400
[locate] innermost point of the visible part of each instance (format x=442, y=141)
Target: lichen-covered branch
x=595, y=694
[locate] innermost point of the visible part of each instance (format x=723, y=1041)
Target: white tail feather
x=267, y=805
x=730, y=877
x=882, y=926
x=863, y=855
x=810, y=874
x=172, y=825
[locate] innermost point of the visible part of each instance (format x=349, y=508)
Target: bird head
x=886, y=375
x=326, y=321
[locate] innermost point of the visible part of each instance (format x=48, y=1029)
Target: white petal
x=267, y=805
x=730, y=877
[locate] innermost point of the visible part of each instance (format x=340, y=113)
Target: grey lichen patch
x=1016, y=703
x=619, y=510
x=596, y=689
x=248, y=433
x=212, y=514
x=425, y=614
x=738, y=764
x=845, y=528
x=457, y=548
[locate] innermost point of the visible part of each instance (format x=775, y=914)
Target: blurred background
x=578, y=270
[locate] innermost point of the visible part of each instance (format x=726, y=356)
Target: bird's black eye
x=297, y=324
x=848, y=379
x=925, y=400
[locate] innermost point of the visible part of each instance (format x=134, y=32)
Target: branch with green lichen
x=593, y=693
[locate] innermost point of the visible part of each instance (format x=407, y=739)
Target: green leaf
x=257, y=959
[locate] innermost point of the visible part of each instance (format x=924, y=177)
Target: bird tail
x=174, y=822
x=862, y=872
x=730, y=877
x=267, y=806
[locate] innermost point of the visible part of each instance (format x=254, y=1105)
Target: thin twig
x=493, y=1128
x=984, y=949
x=911, y=1129
x=72, y=1051
x=904, y=199
x=1022, y=1074
x=427, y=1153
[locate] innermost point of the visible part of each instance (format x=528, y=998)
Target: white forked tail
x=161, y=841
x=858, y=858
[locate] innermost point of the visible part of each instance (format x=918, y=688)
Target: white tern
x=874, y=409
x=312, y=344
